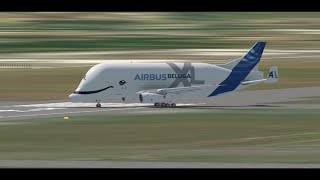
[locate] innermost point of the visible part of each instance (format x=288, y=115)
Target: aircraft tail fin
x=241, y=69
x=248, y=62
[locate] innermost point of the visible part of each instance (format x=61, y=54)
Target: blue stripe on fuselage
x=241, y=70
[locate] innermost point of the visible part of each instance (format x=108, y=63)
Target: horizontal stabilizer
x=272, y=75
x=253, y=82
x=271, y=78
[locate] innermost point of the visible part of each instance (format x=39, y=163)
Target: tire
x=156, y=104
x=98, y=105
x=173, y=105
x=163, y=104
x=167, y=105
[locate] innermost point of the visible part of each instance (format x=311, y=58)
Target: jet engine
x=151, y=98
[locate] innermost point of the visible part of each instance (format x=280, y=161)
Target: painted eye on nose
x=122, y=82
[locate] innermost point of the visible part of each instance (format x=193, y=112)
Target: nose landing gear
x=98, y=105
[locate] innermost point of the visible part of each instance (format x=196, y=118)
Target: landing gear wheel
x=98, y=105
x=173, y=105
x=163, y=104
x=156, y=104
x=167, y=105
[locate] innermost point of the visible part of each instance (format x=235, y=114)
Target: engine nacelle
x=151, y=98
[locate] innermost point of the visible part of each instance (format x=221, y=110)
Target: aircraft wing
x=178, y=90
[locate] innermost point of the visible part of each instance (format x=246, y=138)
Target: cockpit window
x=84, y=77
x=122, y=82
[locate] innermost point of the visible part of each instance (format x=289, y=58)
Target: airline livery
x=165, y=84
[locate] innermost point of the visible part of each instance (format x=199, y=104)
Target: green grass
x=39, y=84
x=313, y=100
x=292, y=77
x=278, y=136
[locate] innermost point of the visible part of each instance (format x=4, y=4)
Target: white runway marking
x=30, y=110
x=70, y=104
x=8, y=110
x=41, y=109
x=104, y=110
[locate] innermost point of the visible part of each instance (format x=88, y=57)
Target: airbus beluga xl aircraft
x=165, y=84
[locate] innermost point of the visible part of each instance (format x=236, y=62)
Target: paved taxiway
x=237, y=100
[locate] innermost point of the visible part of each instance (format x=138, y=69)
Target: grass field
x=291, y=74
x=277, y=136
x=39, y=84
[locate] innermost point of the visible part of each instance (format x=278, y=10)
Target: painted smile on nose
x=92, y=92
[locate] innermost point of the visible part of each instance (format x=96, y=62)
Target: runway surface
x=261, y=99
x=117, y=164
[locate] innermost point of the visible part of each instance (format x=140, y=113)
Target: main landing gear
x=165, y=104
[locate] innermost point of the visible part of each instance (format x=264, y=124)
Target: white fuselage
x=126, y=80
x=169, y=83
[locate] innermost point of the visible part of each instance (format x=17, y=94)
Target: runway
x=261, y=99
x=147, y=165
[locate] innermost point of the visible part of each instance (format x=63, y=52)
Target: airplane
x=165, y=84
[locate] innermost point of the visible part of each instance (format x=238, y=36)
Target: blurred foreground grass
x=99, y=31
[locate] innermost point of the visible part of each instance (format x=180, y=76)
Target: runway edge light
x=66, y=118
